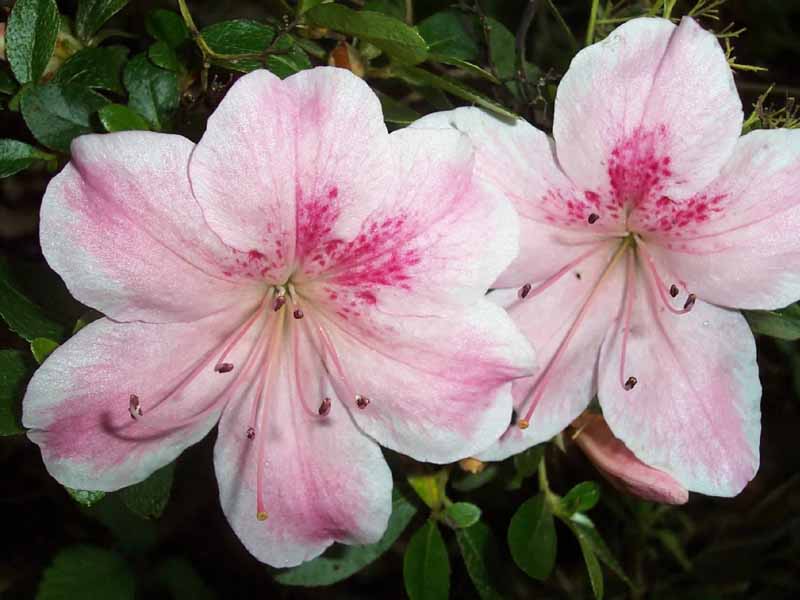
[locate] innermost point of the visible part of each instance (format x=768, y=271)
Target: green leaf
x=41, y=348
x=182, y=580
x=13, y=375
x=85, y=497
x=672, y=544
x=152, y=91
x=7, y=83
x=419, y=76
x=87, y=572
x=93, y=13
x=396, y=112
x=783, y=324
x=532, y=538
x=23, y=316
x=526, y=464
x=393, y=8
x=17, y=156
x=593, y=567
x=430, y=487
x=31, y=37
x=292, y=61
x=461, y=515
x=304, y=6
x=426, y=566
x=57, y=113
x=240, y=36
x=98, y=68
x=581, y=498
x=473, y=481
x=161, y=55
x=480, y=552
x=149, y=498
x=469, y=67
x=134, y=534
x=116, y=117
x=502, y=49
x=587, y=534
x=450, y=33
x=166, y=26
x=348, y=560
x=401, y=42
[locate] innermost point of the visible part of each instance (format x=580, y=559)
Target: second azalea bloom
x=645, y=222
x=312, y=283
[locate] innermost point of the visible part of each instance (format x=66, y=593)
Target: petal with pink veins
x=694, y=410
x=322, y=479
x=120, y=225
x=621, y=467
x=632, y=119
x=80, y=404
x=567, y=343
x=737, y=245
x=518, y=160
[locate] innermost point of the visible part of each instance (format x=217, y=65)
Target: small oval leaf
x=31, y=37
x=532, y=538
x=426, y=566
x=460, y=515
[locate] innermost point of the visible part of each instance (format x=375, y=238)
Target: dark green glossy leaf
x=473, y=481
x=17, y=156
x=587, y=534
x=481, y=555
x=85, y=497
x=502, y=49
x=783, y=324
x=167, y=26
x=162, y=55
x=396, y=112
x=14, y=370
x=93, y=13
x=348, y=560
x=401, y=42
x=450, y=33
x=593, y=568
x=426, y=566
x=99, y=68
x=152, y=91
x=581, y=498
x=182, y=580
x=240, y=36
x=134, y=534
x=290, y=59
x=116, y=117
x=419, y=76
x=393, y=8
x=23, y=317
x=306, y=5
x=57, y=113
x=461, y=515
x=31, y=34
x=41, y=348
x=526, y=464
x=87, y=572
x=532, y=538
x=149, y=498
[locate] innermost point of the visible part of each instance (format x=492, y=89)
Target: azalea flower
x=644, y=222
x=620, y=466
x=312, y=283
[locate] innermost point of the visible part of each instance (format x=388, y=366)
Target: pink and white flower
x=311, y=282
x=642, y=222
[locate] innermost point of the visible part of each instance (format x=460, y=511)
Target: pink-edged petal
x=78, y=404
x=276, y=153
x=621, y=467
x=323, y=480
x=518, y=160
x=694, y=411
x=570, y=381
x=438, y=383
x=120, y=225
x=738, y=244
x=632, y=119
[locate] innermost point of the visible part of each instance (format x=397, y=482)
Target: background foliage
x=542, y=524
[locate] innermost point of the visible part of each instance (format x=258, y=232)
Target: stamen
x=674, y=291
x=523, y=423
x=559, y=274
x=251, y=433
x=593, y=218
x=325, y=407
x=659, y=284
x=690, y=300
x=278, y=303
x=630, y=383
x=224, y=368
x=261, y=515
x=627, y=308
x=134, y=407
x=525, y=290
x=362, y=401
x=297, y=314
